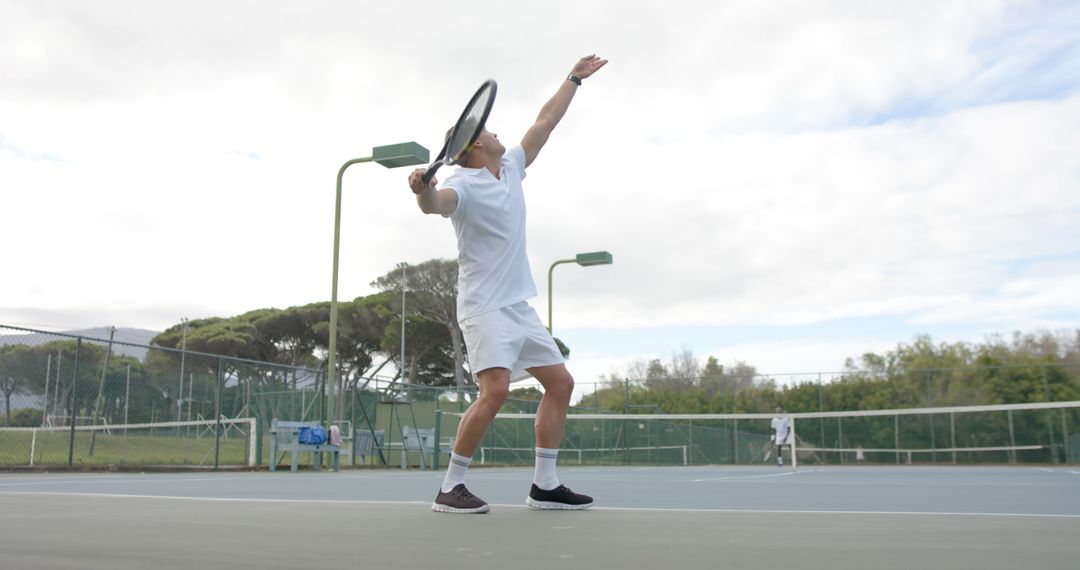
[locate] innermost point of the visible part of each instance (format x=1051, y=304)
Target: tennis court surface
x=645, y=517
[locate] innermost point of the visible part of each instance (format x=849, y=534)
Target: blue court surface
x=644, y=517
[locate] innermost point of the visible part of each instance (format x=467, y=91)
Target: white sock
x=455, y=472
x=544, y=476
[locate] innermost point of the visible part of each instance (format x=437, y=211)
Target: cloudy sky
x=786, y=183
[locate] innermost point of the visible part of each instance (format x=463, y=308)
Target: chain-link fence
x=84, y=402
x=77, y=402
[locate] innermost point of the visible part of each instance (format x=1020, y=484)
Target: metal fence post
x=217, y=412
x=436, y=448
x=74, y=401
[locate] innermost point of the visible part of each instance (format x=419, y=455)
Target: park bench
x=422, y=441
x=285, y=437
x=367, y=444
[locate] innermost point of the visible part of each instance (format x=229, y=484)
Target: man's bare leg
x=454, y=497
x=547, y=492
x=494, y=388
x=551, y=415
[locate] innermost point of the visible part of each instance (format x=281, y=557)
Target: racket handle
x=430, y=172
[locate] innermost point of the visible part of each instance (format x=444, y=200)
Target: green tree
x=361, y=326
x=431, y=294
x=18, y=366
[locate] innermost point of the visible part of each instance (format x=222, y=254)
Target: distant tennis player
x=782, y=434
x=505, y=338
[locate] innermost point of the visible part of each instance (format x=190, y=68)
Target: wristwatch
x=575, y=79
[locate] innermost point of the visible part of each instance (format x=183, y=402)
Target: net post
x=952, y=435
x=896, y=436
x=735, y=437
x=691, y=425
x=253, y=436
x=1065, y=436
x=1012, y=439
x=840, y=438
x=794, y=446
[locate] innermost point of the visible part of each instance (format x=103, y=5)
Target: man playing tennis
x=782, y=435
x=505, y=338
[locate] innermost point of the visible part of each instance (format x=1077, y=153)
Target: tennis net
x=188, y=443
x=1041, y=433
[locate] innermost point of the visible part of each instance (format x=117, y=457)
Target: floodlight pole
x=331, y=365
x=551, y=270
x=403, y=265
x=582, y=259
x=390, y=156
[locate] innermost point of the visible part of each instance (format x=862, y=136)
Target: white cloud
x=896, y=218
x=746, y=163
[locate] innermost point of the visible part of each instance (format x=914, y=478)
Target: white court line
x=211, y=499
x=795, y=512
x=108, y=479
x=742, y=477
x=521, y=506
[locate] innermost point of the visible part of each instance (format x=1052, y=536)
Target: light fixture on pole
x=582, y=259
x=390, y=156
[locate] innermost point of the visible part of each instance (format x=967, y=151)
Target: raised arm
x=556, y=107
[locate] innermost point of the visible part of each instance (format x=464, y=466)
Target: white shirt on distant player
x=782, y=434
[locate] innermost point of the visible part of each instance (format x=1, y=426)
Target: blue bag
x=313, y=435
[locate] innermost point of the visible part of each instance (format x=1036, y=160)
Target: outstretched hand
x=588, y=65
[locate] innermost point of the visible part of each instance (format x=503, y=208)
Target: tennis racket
x=466, y=130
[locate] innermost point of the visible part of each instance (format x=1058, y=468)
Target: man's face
x=490, y=141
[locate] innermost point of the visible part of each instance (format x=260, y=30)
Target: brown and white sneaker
x=459, y=500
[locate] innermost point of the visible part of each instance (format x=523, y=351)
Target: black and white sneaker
x=558, y=498
x=459, y=500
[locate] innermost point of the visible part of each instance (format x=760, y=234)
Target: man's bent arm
x=430, y=200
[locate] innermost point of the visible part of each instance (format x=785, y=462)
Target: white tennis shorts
x=511, y=337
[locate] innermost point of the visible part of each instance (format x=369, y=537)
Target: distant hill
x=125, y=335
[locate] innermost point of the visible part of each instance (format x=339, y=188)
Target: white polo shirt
x=493, y=270
x=782, y=426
